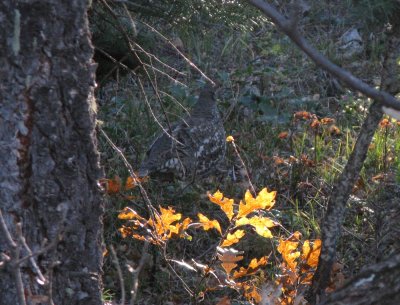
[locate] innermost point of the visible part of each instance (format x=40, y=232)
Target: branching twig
x=179, y=52
x=286, y=26
x=15, y=252
x=136, y=272
x=119, y=272
x=151, y=209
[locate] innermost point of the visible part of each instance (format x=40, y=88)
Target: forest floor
x=294, y=127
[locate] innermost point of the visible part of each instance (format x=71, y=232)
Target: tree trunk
x=49, y=165
x=376, y=284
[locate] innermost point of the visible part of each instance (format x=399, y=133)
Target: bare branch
x=6, y=232
x=119, y=272
x=18, y=277
x=286, y=26
x=136, y=272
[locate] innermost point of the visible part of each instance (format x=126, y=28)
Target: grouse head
x=195, y=145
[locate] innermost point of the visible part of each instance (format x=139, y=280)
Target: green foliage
x=192, y=13
x=376, y=12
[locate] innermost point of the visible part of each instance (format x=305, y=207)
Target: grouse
x=194, y=147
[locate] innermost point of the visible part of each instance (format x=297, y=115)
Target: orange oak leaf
x=302, y=115
x=209, y=224
x=233, y=238
x=252, y=268
x=264, y=200
x=326, y=121
x=288, y=249
x=129, y=214
x=259, y=223
x=226, y=204
x=334, y=130
x=311, y=252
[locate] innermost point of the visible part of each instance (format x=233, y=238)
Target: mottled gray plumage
x=197, y=147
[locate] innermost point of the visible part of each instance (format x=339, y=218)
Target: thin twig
x=286, y=26
x=129, y=43
x=143, y=192
x=6, y=232
x=179, y=52
x=119, y=272
x=17, y=268
x=15, y=252
x=244, y=166
x=136, y=272
x=32, y=260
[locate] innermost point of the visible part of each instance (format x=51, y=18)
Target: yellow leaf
x=209, y=224
x=264, y=200
x=311, y=253
x=226, y=204
x=230, y=139
x=129, y=214
x=180, y=228
x=125, y=231
x=252, y=294
x=132, y=182
x=252, y=268
x=288, y=249
x=233, y=238
x=165, y=222
x=260, y=224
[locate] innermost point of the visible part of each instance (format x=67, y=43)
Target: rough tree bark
x=49, y=165
x=376, y=284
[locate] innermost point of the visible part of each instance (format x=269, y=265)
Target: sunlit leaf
x=126, y=231
x=128, y=214
x=303, y=115
x=179, y=228
x=209, y=224
x=326, y=121
x=230, y=139
x=385, y=123
x=260, y=224
x=315, y=123
x=252, y=294
x=278, y=160
x=288, y=249
x=264, y=200
x=233, y=238
x=311, y=252
x=132, y=182
x=226, y=204
x=252, y=268
x=165, y=220
x=334, y=130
